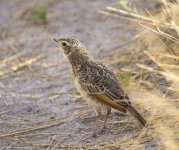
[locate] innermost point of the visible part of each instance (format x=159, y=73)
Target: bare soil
x=39, y=105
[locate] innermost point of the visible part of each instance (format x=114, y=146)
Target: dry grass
x=155, y=62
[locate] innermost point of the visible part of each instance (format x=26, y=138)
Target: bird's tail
x=136, y=115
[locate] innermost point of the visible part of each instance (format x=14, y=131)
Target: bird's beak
x=55, y=40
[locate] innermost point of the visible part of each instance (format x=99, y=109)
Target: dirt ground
x=39, y=105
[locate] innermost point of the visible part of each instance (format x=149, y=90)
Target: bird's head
x=70, y=46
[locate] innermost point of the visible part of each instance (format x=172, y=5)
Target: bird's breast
x=80, y=88
x=91, y=101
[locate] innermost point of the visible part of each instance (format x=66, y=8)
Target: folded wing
x=103, y=85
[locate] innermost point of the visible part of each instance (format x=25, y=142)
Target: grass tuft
x=124, y=78
x=39, y=14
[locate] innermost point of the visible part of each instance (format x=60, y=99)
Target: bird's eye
x=64, y=43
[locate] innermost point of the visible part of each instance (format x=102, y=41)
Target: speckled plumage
x=97, y=85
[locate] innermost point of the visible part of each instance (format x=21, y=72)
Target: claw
x=94, y=134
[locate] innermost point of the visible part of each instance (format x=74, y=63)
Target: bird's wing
x=99, y=82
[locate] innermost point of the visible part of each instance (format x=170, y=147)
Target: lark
x=96, y=83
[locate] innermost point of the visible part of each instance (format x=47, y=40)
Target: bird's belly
x=89, y=98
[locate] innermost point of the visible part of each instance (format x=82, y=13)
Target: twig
x=133, y=15
x=23, y=64
x=30, y=129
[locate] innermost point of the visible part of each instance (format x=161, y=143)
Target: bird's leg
x=98, y=114
x=106, y=119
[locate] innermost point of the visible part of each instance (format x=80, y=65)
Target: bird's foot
x=94, y=134
x=104, y=129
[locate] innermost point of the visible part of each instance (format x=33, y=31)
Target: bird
x=96, y=83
